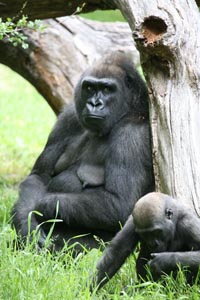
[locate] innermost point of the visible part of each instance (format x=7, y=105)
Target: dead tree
x=46, y=9
x=167, y=37
x=58, y=55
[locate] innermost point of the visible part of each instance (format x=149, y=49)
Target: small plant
x=35, y=235
x=13, y=31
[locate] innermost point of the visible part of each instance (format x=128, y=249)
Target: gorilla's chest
x=81, y=165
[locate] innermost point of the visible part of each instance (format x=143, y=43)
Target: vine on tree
x=13, y=31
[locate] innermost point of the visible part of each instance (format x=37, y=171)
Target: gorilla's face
x=101, y=98
x=157, y=238
x=155, y=218
x=159, y=229
x=101, y=101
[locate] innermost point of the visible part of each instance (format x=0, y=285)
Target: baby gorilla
x=169, y=233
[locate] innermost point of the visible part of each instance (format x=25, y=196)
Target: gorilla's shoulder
x=131, y=138
x=131, y=127
x=67, y=124
x=68, y=115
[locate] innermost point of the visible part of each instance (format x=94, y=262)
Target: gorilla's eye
x=169, y=213
x=89, y=88
x=106, y=90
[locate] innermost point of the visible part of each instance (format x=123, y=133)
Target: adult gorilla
x=97, y=161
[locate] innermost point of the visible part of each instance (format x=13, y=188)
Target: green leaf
x=13, y=31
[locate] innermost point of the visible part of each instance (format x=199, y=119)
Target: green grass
x=25, y=122
x=106, y=16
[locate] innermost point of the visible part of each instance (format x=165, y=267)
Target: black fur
x=169, y=235
x=97, y=161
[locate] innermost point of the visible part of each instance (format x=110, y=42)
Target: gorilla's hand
x=161, y=263
x=47, y=209
x=42, y=239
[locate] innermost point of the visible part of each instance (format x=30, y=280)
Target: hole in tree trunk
x=153, y=29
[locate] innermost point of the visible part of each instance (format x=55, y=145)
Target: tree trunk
x=45, y=9
x=54, y=70
x=168, y=38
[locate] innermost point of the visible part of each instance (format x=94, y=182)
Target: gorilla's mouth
x=93, y=122
x=86, y=117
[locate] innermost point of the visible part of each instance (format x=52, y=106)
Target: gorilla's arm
x=116, y=253
x=127, y=178
x=104, y=207
x=185, y=249
x=165, y=262
x=33, y=188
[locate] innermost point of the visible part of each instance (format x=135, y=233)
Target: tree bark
x=58, y=55
x=45, y=9
x=168, y=38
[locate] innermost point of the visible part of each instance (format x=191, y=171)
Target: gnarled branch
x=58, y=55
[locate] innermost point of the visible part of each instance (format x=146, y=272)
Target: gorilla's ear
x=129, y=81
x=169, y=213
